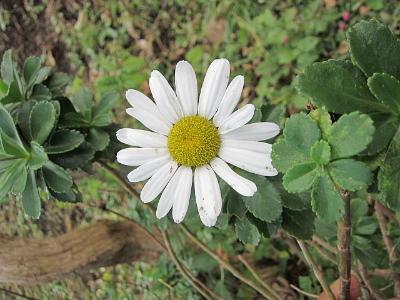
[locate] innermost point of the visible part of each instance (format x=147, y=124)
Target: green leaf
x=11, y=146
x=12, y=177
x=99, y=139
x=350, y=174
x=298, y=201
x=40, y=93
x=321, y=115
x=102, y=112
x=42, y=120
x=30, y=197
x=299, y=223
x=235, y=205
x=389, y=175
x=350, y=135
x=13, y=95
x=300, y=178
x=57, y=179
x=31, y=70
x=82, y=101
x=7, y=67
x=76, y=158
x=385, y=128
x=38, y=156
x=57, y=81
x=266, y=203
x=3, y=88
x=326, y=201
x=321, y=152
x=366, y=226
x=374, y=48
x=72, y=195
x=300, y=133
x=7, y=125
x=335, y=86
x=64, y=140
x=386, y=89
x=246, y=232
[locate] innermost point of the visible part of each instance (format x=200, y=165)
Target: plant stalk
x=344, y=236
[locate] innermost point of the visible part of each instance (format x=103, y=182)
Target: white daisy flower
x=192, y=139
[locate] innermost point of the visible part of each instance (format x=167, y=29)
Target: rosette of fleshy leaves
x=370, y=83
x=38, y=142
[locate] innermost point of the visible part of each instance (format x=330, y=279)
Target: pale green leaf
x=247, y=232
x=300, y=178
x=350, y=174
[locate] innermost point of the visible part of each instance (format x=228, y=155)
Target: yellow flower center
x=193, y=141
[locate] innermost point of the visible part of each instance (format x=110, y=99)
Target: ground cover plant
x=294, y=194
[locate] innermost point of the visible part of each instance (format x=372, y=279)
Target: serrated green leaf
x=13, y=95
x=76, y=158
x=300, y=178
x=386, y=89
x=350, y=135
x=57, y=179
x=40, y=93
x=71, y=195
x=385, y=128
x=300, y=133
x=7, y=124
x=64, y=140
x=335, y=86
x=103, y=110
x=374, y=48
x=321, y=115
x=299, y=223
x=299, y=201
x=389, y=174
x=366, y=226
x=11, y=146
x=30, y=197
x=272, y=113
x=326, y=201
x=350, y=174
x=31, y=70
x=57, y=81
x=99, y=139
x=246, y=232
x=266, y=203
x=42, y=119
x=7, y=68
x=82, y=101
x=235, y=205
x=321, y=152
x=38, y=156
x=11, y=177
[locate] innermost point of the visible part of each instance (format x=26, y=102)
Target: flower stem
x=317, y=271
x=344, y=235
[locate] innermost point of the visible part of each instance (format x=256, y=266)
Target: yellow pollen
x=193, y=141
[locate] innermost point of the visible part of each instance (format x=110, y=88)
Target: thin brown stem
x=257, y=277
x=365, y=278
x=344, y=236
x=389, y=245
x=226, y=264
x=181, y=268
x=317, y=271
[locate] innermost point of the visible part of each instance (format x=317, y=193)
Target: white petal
x=137, y=99
x=186, y=87
x=151, y=119
x=182, y=193
x=210, y=191
x=230, y=100
x=138, y=156
x=250, y=161
x=200, y=202
x=148, y=169
x=260, y=147
x=237, y=119
x=141, y=138
x=165, y=97
x=214, y=87
x=240, y=184
x=254, y=132
x=158, y=181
